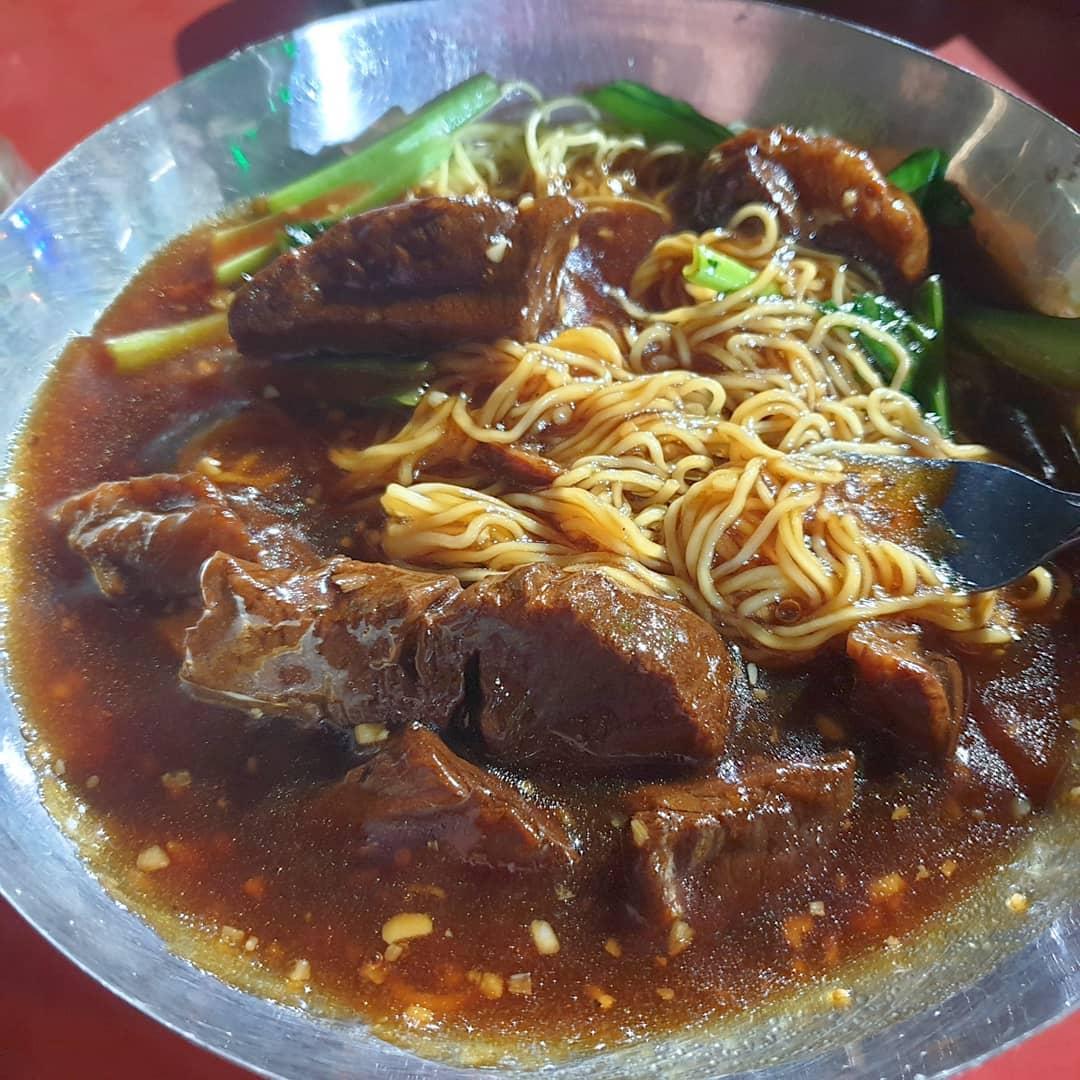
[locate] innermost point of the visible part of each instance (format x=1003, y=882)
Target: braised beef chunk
x=1019, y=706
x=614, y=240
x=517, y=465
x=338, y=642
x=148, y=536
x=823, y=190
x=708, y=851
x=571, y=669
x=413, y=277
x=416, y=793
x=916, y=693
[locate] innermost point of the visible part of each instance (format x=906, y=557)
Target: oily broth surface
x=223, y=796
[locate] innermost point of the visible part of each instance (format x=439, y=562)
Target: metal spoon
x=989, y=525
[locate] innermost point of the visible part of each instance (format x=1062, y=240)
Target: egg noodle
x=702, y=448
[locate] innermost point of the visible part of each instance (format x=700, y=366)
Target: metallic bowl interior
x=261, y=118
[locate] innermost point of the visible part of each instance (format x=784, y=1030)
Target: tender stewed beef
x=707, y=851
x=417, y=794
x=568, y=669
x=340, y=642
x=517, y=465
x=823, y=190
x=906, y=688
x=613, y=240
x=147, y=537
x=1019, y=705
x=413, y=277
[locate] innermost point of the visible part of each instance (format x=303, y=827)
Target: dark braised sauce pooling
x=543, y=805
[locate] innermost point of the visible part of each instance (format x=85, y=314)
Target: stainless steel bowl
x=251, y=123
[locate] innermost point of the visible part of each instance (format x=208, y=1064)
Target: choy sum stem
x=1044, y=347
x=145, y=348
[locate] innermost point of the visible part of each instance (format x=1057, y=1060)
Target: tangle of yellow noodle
x=699, y=451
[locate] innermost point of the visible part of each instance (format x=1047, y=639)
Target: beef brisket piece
x=900, y=685
x=417, y=793
x=341, y=641
x=707, y=851
x=149, y=536
x=413, y=277
x=572, y=670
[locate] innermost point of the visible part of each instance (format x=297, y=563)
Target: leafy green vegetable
x=144, y=348
x=921, y=337
x=371, y=382
x=918, y=170
x=893, y=319
x=233, y=270
x=929, y=382
x=658, y=117
x=368, y=166
x=721, y=273
x=713, y=270
x=922, y=176
x=1041, y=346
x=382, y=171
x=408, y=399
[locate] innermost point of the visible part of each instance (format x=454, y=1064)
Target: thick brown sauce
x=99, y=685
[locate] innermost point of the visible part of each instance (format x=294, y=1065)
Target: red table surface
x=69, y=66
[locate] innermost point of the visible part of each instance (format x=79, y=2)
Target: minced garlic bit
x=639, y=831
x=752, y=673
x=839, y=998
x=600, y=996
x=232, y=935
x=497, y=249
x=1021, y=807
x=1074, y=792
x=369, y=734
x=679, y=937
x=759, y=693
x=418, y=1016
x=892, y=942
x=948, y=867
x=251, y=944
x=817, y=907
x=491, y=985
x=408, y=924
x=613, y=948
x=1017, y=903
x=887, y=886
x=301, y=972
x=152, y=858
x=373, y=972
x=520, y=984
x=547, y=944
x=176, y=781
x=665, y=993
x=901, y=813
x=59, y=767
x=922, y=873
x=564, y=893
x=393, y=952
x=93, y=781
